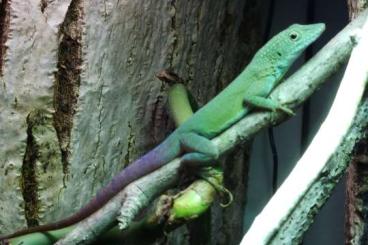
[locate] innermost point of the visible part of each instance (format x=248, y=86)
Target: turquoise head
x=282, y=50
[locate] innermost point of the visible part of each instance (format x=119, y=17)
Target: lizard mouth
x=315, y=30
x=319, y=28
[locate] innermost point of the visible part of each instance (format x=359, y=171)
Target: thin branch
x=311, y=168
x=293, y=91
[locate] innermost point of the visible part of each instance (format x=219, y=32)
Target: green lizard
x=192, y=140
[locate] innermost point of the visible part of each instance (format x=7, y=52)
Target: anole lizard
x=192, y=140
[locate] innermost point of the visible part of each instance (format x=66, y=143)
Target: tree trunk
x=356, y=213
x=79, y=99
x=356, y=6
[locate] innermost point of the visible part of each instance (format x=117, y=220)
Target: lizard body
x=192, y=140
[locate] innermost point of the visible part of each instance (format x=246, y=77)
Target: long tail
x=154, y=159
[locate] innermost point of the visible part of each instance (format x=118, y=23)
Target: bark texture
x=78, y=96
x=356, y=6
x=356, y=214
x=31, y=175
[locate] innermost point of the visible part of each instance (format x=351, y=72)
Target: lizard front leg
x=266, y=103
x=198, y=149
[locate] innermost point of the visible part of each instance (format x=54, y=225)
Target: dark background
x=328, y=227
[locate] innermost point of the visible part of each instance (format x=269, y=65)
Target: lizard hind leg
x=198, y=149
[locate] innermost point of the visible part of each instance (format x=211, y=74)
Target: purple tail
x=159, y=156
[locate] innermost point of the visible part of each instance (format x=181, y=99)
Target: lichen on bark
x=67, y=77
x=41, y=167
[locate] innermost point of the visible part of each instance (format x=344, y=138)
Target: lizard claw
x=286, y=110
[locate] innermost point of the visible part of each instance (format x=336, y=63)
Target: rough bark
x=31, y=175
x=356, y=214
x=78, y=97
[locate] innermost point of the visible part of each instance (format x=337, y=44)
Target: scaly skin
x=192, y=139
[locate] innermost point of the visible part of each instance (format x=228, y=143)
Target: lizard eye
x=293, y=36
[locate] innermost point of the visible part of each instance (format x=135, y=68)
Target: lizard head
x=282, y=50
